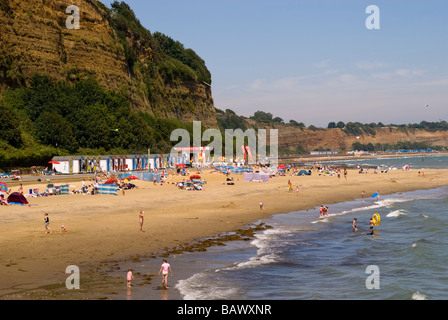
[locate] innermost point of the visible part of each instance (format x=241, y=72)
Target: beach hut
x=17, y=198
x=122, y=162
x=81, y=164
x=103, y=163
x=139, y=162
x=96, y=160
x=62, y=164
x=118, y=162
x=128, y=162
x=109, y=163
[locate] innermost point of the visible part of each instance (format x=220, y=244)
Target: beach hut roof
x=62, y=158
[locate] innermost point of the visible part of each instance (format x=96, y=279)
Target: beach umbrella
x=281, y=166
x=132, y=178
x=181, y=165
x=54, y=162
x=195, y=176
x=111, y=181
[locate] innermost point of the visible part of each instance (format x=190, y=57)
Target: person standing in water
x=355, y=225
x=164, y=270
x=129, y=277
x=372, y=225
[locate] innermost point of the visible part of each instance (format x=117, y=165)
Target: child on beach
x=140, y=218
x=323, y=211
x=47, y=223
x=164, y=270
x=372, y=224
x=261, y=206
x=3, y=201
x=297, y=190
x=129, y=277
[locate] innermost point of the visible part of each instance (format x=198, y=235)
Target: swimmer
x=372, y=223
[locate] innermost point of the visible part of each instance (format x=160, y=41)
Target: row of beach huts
x=116, y=163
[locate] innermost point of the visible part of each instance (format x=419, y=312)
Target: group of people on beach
x=323, y=211
x=291, y=189
x=164, y=269
x=371, y=223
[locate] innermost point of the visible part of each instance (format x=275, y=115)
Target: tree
x=340, y=125
x=297, y=124
x=10, y=127
x=277, y=120
x=262, y=116
x=332, y=125
x=52, y=129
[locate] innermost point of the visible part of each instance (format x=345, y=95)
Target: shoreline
x=110, y=236
x=302, y=159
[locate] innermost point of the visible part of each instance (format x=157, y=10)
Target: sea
x=305, y=258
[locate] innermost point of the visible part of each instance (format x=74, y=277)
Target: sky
x=315, y=61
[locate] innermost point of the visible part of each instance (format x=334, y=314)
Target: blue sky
x=315, y=61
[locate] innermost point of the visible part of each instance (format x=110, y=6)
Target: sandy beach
x=104, y=228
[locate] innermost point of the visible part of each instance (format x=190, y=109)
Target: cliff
x=112, y=47
x=336, y=139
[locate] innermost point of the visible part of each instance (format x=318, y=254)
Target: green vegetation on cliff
x=161, y=63
x=50, y=118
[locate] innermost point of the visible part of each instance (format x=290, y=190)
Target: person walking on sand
x=129, y=277
x=297, y=190
x=47, y=223
x=140, y=218
x=164, y=270
x=289, y=185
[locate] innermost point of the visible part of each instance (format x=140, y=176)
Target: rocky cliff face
x=35, y=39
x=336, y=139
